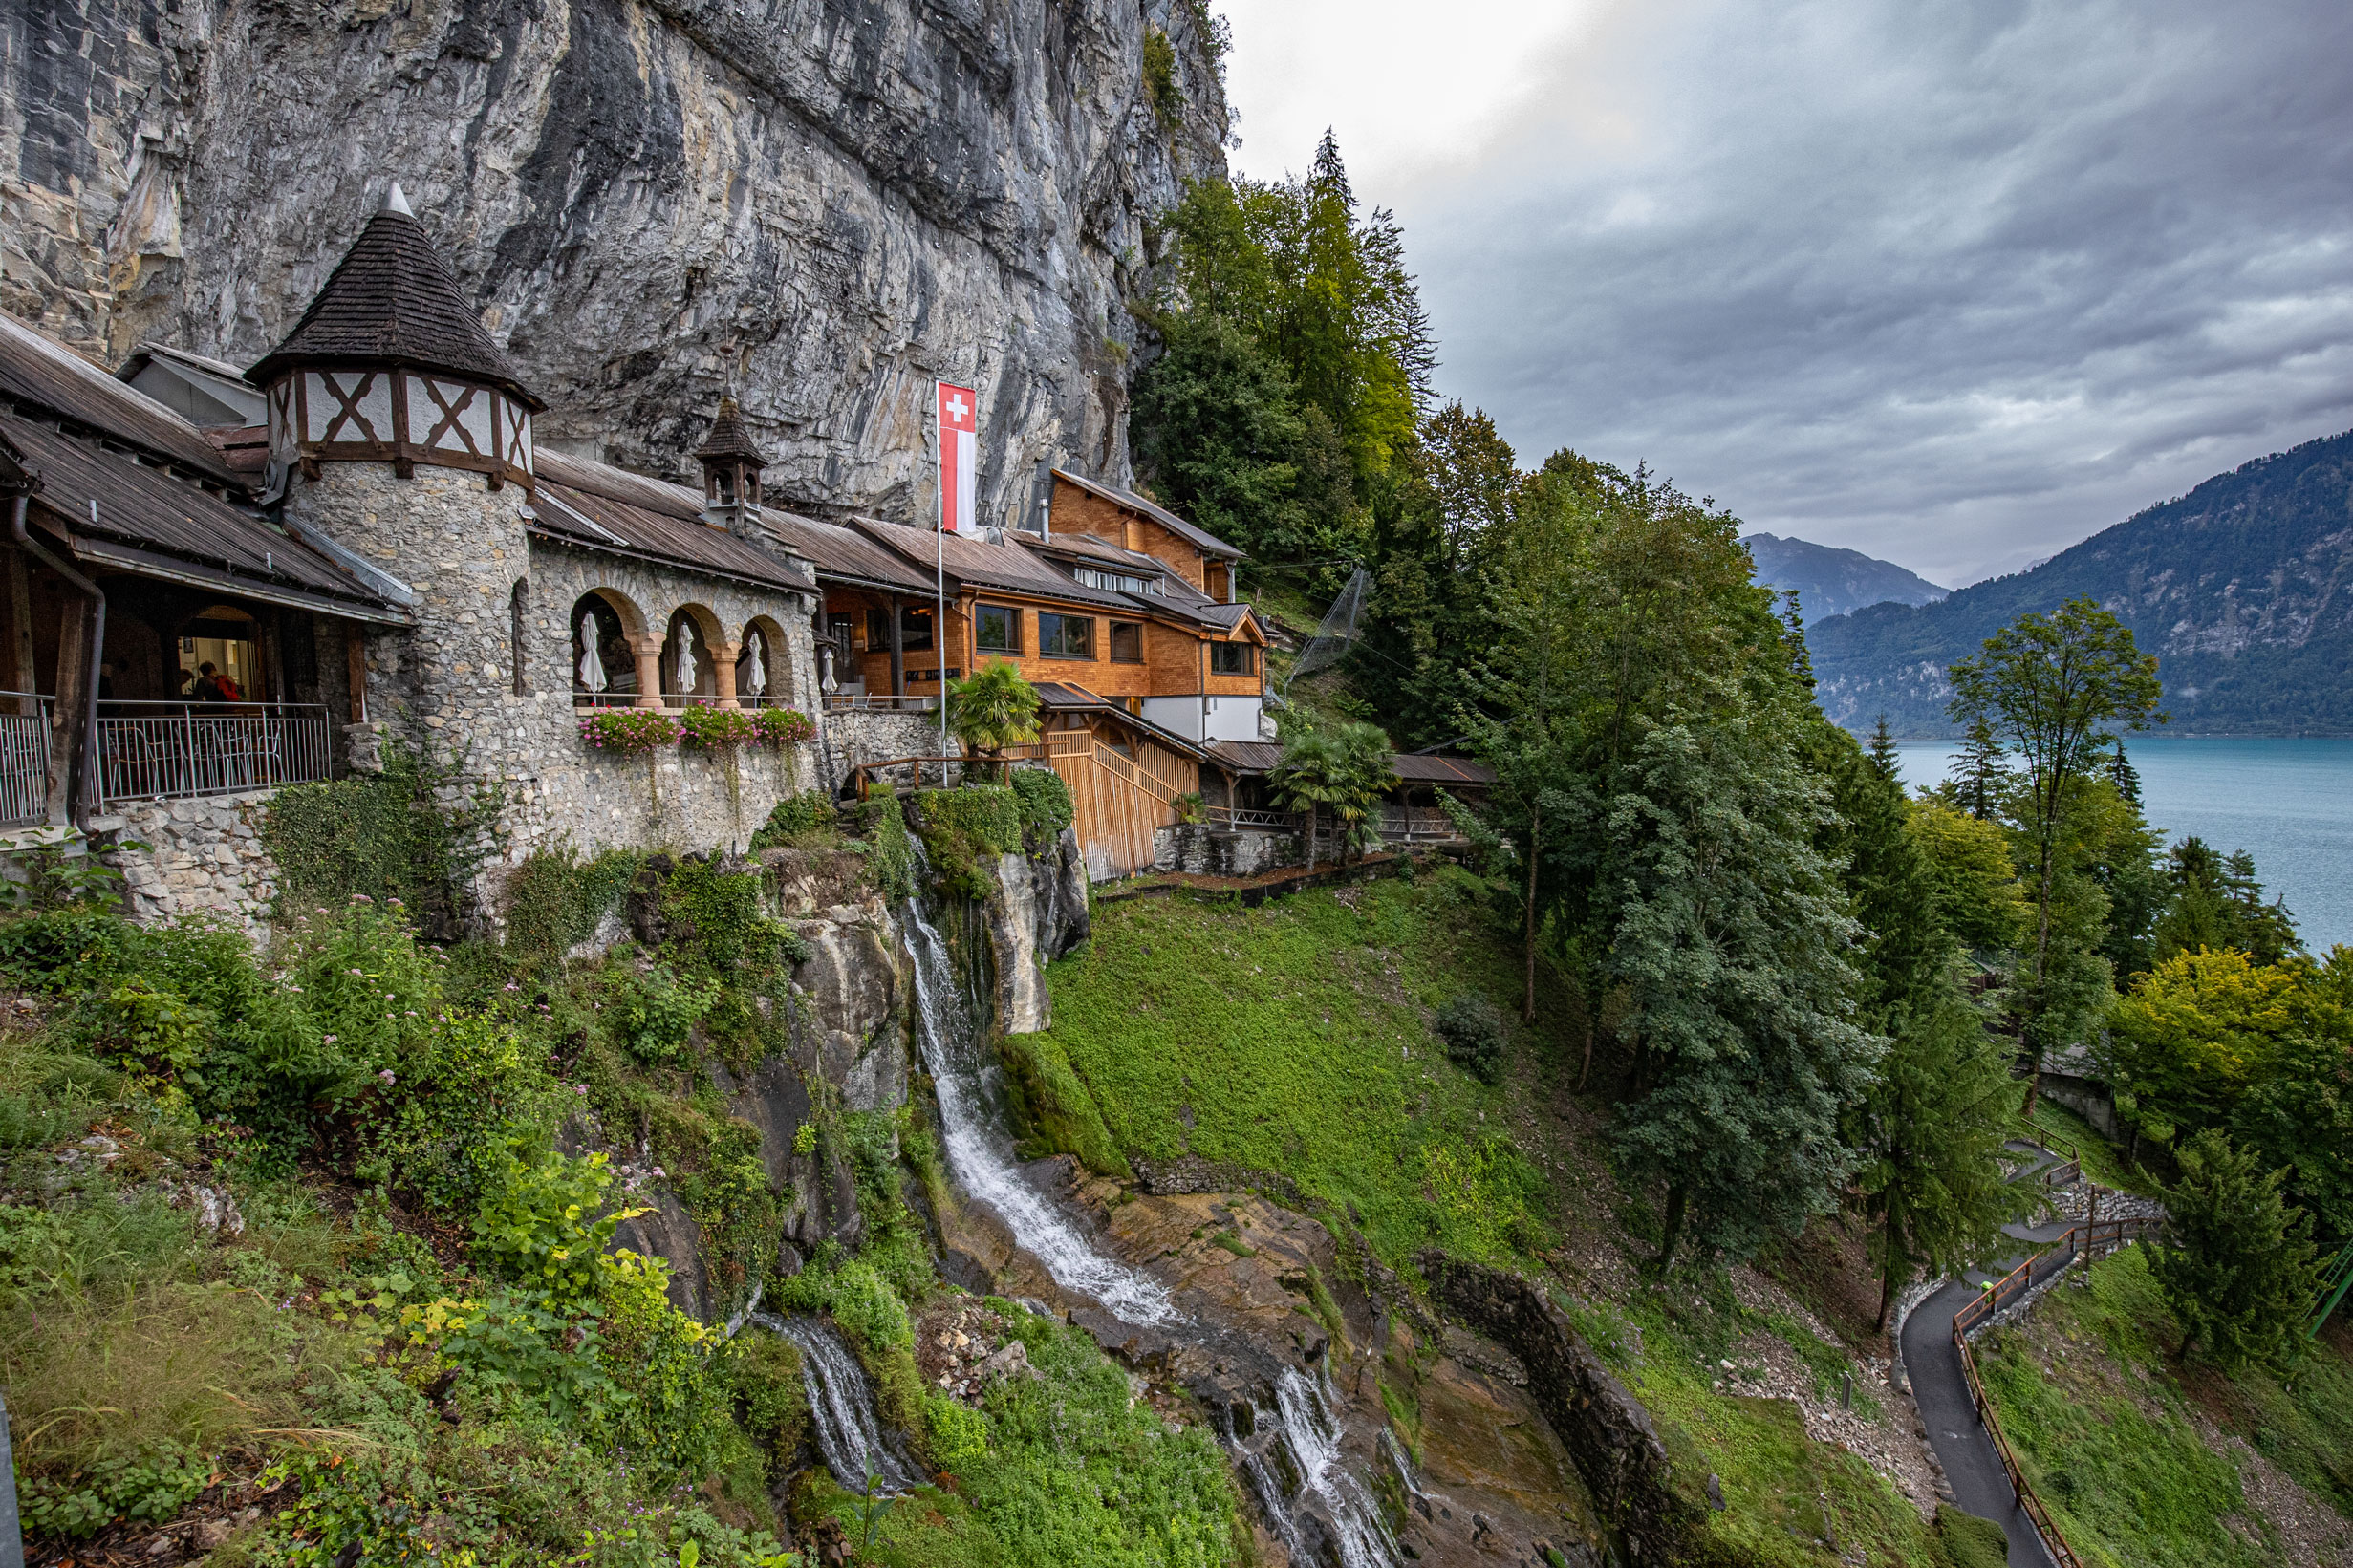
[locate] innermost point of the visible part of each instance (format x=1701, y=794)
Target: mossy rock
x=1969, y=1541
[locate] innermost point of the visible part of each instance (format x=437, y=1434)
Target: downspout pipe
x=85, y=795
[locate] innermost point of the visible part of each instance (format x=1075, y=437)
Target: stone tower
x=401, y=441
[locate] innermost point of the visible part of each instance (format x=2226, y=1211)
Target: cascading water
x=983, y=1158
x=952, y=1035
x=1358, y=1531
x=841, y=1407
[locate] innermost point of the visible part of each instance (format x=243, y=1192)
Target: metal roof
x=1262, y=755
x=142, y=519
x=844, y=555
x=599, y=507
x=392, y=300
x=36, y=370
x=982, y=562
x=1209, y=543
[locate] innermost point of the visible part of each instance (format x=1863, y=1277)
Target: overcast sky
x=1953, y=284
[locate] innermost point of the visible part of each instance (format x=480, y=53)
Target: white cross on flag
x=960, y=456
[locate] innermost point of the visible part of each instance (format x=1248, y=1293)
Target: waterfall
x=981, y=1157
x=1358, y=1531
x=841, y=1407
x=953, y=1036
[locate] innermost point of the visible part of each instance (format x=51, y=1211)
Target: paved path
x=1981, y=1486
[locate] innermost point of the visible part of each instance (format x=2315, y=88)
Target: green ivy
x=391, y=836
x=891, y=856
x=806, y=815
x=556, y=899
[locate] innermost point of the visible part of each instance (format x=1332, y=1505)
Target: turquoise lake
x=2287, y=803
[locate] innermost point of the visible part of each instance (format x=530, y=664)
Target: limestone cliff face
x=822, y=204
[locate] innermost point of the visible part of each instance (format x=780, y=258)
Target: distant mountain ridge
x=2244, y=588
x=1830, y=581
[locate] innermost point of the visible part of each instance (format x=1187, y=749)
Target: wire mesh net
x=1336, y=632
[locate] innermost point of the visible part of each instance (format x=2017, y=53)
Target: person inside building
x=212, y=686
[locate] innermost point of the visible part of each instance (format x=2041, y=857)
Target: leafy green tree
x=993, y=708
x=2236, y=1264
x=2051, y=687
x=1727, y=928
x=1975, y=886
x=1219, y=435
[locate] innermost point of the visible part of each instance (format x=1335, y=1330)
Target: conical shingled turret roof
x=728, y=440
x=394, y=301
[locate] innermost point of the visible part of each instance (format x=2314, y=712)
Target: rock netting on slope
x=819, y=205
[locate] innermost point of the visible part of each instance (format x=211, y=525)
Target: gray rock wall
x=203, y=857
x=820, y=204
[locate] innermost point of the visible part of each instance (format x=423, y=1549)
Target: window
x=997, y=628
x=518, y=606
x=1066, y=636
x=916, y=626
x=1116, y=581
x=1127, y=643
x=1232, y=658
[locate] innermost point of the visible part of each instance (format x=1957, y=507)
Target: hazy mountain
x=1830, y=581
x=2244, y=588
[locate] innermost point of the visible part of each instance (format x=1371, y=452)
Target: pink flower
x=579, y=1088
x=386, y=1075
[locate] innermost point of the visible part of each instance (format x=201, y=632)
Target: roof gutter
x=83, y=794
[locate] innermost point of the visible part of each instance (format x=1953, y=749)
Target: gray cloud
x=1953, y=284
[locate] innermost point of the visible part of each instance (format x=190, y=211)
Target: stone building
x=225, y=581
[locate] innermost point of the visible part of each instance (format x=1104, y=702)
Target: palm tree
x=1343, y=769
x=993, y=708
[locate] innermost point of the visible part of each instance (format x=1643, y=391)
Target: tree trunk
x=2043, y=958
x=1886, y=1274
x=1678, y=1204
x=1527, y=1000
x=1312, y=813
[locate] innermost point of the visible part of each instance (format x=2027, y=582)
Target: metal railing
x=24, y=759
x=2088, y=1242
x=170, y=750
x=882, y=702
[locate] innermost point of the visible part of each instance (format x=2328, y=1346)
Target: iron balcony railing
x=168, y=750
x=24, y=759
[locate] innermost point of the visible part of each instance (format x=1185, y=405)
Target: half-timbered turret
x=390, y=365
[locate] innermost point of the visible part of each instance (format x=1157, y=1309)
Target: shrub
x=540, y=1226
x=784, y=727
x=1472, y=1031
x=891, y=859
x=395, y=835
x=1042, y=800
x=655, y=1011
x=711, y=728
x=796, y=817
x=629, y=729
x=987, y=815
x=471, y=1093
x=721, y=912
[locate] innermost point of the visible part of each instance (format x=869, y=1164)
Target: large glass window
x=997, y=628
x=1232, y=658
x=1127, y=643
x=1066, y=636
x=914, y=625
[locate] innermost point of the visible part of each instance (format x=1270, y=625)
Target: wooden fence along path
x=2091, y=1241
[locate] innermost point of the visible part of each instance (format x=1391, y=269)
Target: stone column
x=722, y=673
x=647, y=651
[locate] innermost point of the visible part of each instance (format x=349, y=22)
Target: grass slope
x=2125, y=1443
x=1295, y=1039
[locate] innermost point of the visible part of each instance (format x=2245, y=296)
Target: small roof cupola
x=731, y=464
x=390, y=364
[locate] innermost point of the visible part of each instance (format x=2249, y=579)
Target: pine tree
x=2236, y=1264
x=1983, y=772
x=2125, y=776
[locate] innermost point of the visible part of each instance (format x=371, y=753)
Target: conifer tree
x=2236, y=1264
x=1983, y=771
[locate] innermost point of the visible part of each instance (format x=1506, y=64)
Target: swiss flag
x=960, y=456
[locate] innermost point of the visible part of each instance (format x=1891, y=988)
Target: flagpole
x=940, y=587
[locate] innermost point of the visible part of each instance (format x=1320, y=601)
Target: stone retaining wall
x=1204, y=850
x=203, y=857
x=1605, y=1430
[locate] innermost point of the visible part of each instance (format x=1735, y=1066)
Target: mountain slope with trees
x=1829, y=581
x=2244, y=588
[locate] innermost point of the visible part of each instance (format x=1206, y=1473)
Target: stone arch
x=619, y=638
x=775, y=659
x=705, y=639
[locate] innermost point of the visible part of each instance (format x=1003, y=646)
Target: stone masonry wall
x=203, y=857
